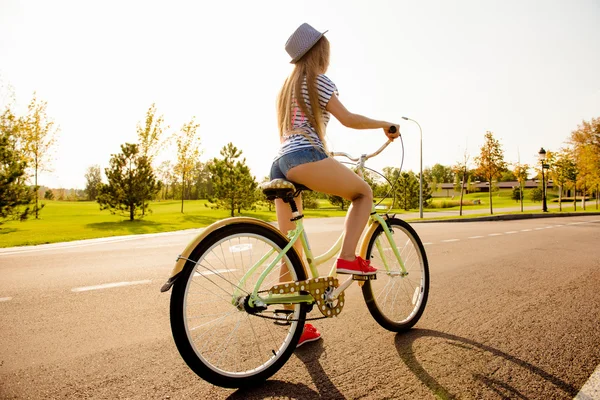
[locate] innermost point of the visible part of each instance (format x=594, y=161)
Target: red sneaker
x=310, y=334
x=356, y=267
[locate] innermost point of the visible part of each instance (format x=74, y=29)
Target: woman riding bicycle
x=302, y=157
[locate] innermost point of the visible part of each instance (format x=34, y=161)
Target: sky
x=528, y=71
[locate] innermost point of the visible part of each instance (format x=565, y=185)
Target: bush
x=536, y=194
x=310, y=199
x=310, y=203
x=450, y=203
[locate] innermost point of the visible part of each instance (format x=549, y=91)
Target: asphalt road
x=513, y=313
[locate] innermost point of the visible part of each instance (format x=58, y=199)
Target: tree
x=521, y=171
x=49, y=195
x=310, y=199
x=461, y=173
x=188, y=151
x=167, y=178
x=391, y=175
x=586, y=151
x=130, y=181
x=490, y=162
x=149, y=135
x=408, y=190
x=202, y=184
x=93, y=179
x=38, y=136
x=15, y=196
x=507, y=176
x=438, y=174
x=562, y=171
x=338, y=201
x=234, y=187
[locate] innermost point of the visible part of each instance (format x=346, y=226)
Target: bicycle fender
x=182, y=259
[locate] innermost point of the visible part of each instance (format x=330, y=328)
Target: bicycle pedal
x=282, y=317
x=364, y=278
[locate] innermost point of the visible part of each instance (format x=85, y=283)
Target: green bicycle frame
x=300, y=234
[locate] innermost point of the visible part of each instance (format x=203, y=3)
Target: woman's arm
x=357, y=121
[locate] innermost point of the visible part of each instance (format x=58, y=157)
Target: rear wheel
x=394, y=299
x=218, y=333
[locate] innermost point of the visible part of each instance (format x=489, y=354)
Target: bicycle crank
x=321, y=289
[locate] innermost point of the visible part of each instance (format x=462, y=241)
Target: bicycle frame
x=300, y=234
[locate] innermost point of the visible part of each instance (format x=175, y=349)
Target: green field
x=500, y=199
x=62, y=221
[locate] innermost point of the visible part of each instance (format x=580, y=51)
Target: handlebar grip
x=392, y=129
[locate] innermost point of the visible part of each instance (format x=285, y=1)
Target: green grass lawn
x=500, y=199
x=62, y=221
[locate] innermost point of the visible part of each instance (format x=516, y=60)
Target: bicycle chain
x=288, y=320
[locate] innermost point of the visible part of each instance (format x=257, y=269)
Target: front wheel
x=397, y=298
x=220, y=335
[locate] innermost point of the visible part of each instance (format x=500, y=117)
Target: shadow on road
x=201, y=220
x=404, y=345
x=310, y=356
x=135, y=227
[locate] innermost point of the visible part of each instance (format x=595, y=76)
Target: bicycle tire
x=222, y=354
x=397, y=302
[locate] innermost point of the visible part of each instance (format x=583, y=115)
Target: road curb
x=503, y=217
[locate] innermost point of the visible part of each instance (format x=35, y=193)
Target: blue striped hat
x=301, y=41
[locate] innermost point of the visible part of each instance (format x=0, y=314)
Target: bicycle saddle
x=279, y=188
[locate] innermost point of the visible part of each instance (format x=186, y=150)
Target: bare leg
x=330, y=176
x=284, y=214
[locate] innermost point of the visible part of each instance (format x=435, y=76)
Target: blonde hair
x=313, y=63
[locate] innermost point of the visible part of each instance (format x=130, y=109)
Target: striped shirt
x=295, y=140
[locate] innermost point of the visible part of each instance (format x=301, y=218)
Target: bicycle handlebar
x=365, y=157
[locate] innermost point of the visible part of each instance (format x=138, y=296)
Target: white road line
x=510, y=232
x=526, y=230
x=495, y=234
x=109, y=285
x=591, y=389
x=539, y=229
x=5, y=299
x=66, y=246
x=475, y=237
x=91, y=242
x=427, y=243
x=450, y=240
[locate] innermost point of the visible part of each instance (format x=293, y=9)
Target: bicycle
x=241, y=294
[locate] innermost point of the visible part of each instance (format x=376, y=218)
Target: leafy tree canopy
x=234, y=188
x=130, y=181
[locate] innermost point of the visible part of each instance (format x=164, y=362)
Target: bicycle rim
x=229, y=346
x=397, y=301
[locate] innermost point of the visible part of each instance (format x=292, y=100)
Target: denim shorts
x=283, y=164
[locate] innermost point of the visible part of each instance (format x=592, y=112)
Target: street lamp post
x=542, y=155
x=420, y=166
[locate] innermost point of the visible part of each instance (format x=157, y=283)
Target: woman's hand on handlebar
x=392, y=131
